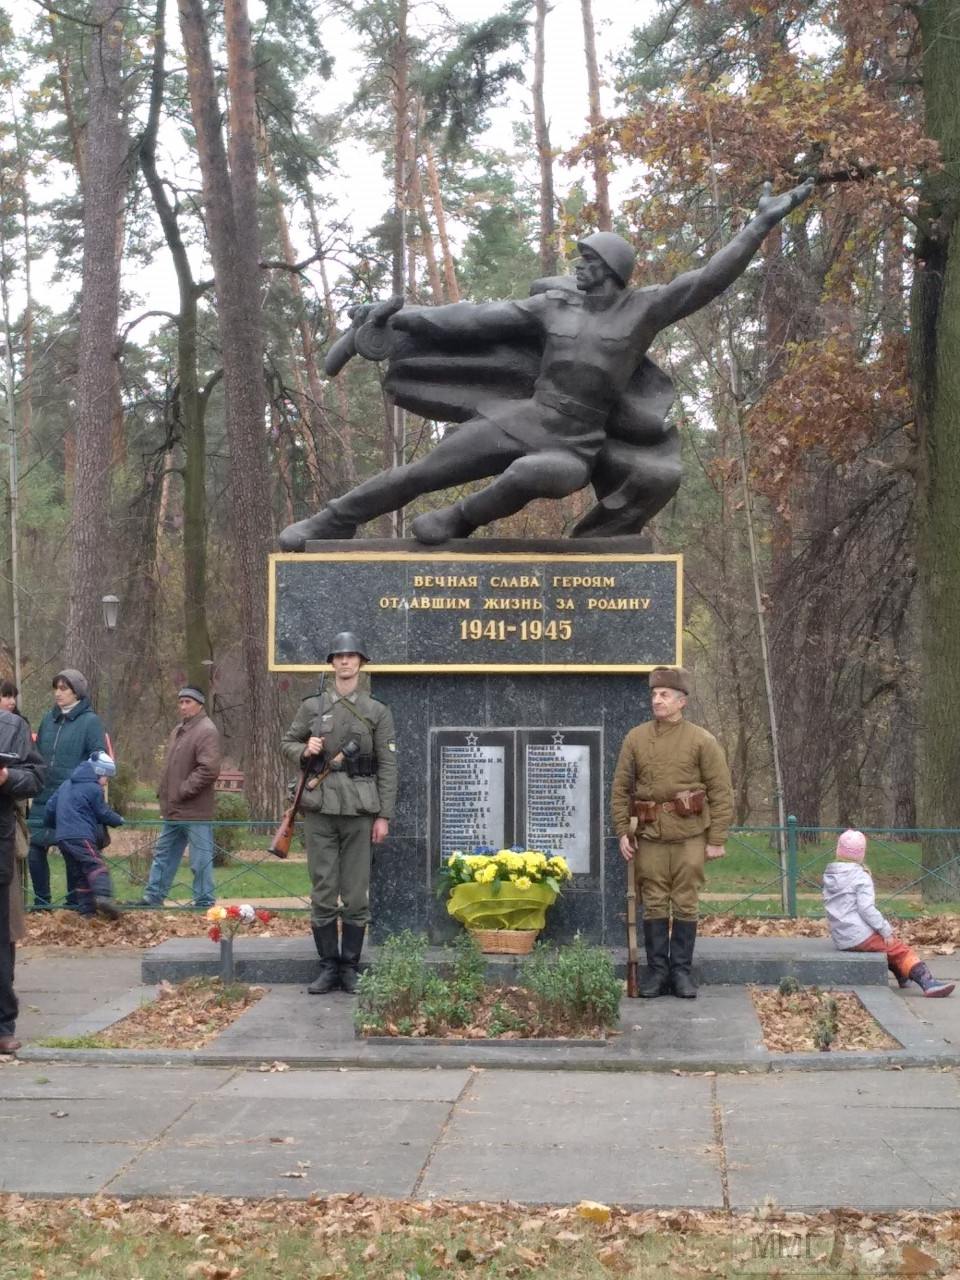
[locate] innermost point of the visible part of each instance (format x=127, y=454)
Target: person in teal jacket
x=69, y=733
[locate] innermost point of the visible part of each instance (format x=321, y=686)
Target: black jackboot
x=656, y=939
x=351, y=944
x=328, y=979
x=682, y=941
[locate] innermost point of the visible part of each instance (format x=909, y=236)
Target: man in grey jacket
x=187, y=803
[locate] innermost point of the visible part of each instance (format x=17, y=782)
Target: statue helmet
x=346, y=642
x=615, y=252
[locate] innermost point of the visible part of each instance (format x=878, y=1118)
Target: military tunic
x=338, y=814
x=658, y=760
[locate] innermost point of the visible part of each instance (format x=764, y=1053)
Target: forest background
x=176, y=256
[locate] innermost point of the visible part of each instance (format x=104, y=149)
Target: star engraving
x=472, y=739
x=558, y=739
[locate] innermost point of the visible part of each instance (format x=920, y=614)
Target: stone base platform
x=718, y=962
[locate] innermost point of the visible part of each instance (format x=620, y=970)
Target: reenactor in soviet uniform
x=672, y=805
x=346, y=740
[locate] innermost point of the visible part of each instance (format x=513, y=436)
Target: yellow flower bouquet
x=509, y=889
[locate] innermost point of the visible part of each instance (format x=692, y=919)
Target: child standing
x=78, y=813
x=857, y=925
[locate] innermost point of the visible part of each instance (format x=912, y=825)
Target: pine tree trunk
x=344, y=427
x=599, y=153
x=452, y=287
x=97, y=385
x=541, y=133
x=936, y=375
x=230, y=202
x=191, y=405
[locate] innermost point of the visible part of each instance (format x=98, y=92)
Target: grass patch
x=565, y=992
x=272, y=879
x=352, y=1238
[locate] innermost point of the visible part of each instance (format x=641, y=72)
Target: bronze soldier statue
x=554, y=391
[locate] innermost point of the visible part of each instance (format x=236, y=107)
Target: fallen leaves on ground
x=942, y=932
x=346, y=1237
x=185, y=1015
x=142, y=928
x=788, y=1021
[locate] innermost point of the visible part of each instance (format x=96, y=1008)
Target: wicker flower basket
x=510, y=942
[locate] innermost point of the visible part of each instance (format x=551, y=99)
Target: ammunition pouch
x=360, y=766
x=645, y=810
x=685, y=804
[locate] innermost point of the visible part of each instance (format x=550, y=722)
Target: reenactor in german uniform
x=672, y=805
x=345, y=738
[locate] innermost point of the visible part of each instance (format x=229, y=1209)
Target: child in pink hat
x=857, y=925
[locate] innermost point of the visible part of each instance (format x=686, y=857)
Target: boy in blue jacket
x=77, y=811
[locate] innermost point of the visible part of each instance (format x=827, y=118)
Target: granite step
x=718, y=961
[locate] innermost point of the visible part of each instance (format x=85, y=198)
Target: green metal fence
x=247, y=869
x=776, y=870
x=767, y=871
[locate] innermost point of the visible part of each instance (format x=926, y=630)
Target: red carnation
x=213, y=933
x=263, y=916
x=233, y=913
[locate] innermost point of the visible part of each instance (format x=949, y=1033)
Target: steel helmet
x=346, y=642
x=619, y=255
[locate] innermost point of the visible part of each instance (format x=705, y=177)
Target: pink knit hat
x=852, y=844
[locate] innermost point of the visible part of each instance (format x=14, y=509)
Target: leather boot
x=656, y=939
x=328, y=979
x=351, y=944
x=682, y=940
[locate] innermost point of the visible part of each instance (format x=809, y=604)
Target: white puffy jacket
x=850, y=902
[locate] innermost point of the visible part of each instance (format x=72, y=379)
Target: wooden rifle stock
x=282, y=837
x=633, y=954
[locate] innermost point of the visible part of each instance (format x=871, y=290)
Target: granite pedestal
x=525, y=642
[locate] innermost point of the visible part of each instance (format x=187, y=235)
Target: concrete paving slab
x=636, y=1140
x=79, y=1169
x=431, y=1085
x=120, y=1119
x=223, y=1120
x=64, y=1082
x=365, y=1167
x=249, y=1146
x=58, y=985
x=939, y=1017
x=722, y=1024
x=873, y=1140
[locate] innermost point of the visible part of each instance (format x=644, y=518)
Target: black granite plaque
x=472, y=789
x=428, y=707
x=475, y=611
x=559, y=794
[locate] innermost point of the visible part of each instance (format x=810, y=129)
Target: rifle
x=633, y=954
x=280, y=848
x=280, y=845
x=282, y=837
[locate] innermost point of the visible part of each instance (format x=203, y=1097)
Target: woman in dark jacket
x=69, y=733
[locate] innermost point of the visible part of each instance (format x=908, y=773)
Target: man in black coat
x=21, y=778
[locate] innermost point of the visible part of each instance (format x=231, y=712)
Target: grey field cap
x=346, y=642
